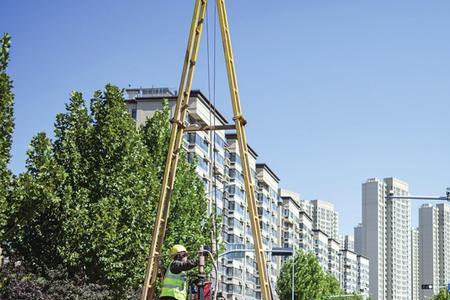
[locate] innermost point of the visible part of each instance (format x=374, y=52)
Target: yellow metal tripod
x=176, y=138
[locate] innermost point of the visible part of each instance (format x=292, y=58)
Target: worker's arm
x=180, y=266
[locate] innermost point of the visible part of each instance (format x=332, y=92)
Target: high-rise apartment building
x=269, y=210
x=362, y=283
x=334, y=258
x=219, y=166
x=415, y=287
x=347, y=242
x=398, y=223
x=444, y=243
x=354, y=269
x=428, y=250
x=239, y=234
x=325, y=218
x=290, y=221
x=306, y=232
x=434, y=248
x=386, y=238
x=321, y=248
x=359, y=238
x=349, y=260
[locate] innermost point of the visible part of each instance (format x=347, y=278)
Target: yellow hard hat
x=177, y=249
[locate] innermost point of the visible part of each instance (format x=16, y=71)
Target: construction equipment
x=176, y=137
x=204, y=286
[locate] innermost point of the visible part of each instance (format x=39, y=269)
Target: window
x=219, y=159
x=203, y=164
x=219, y=141
x=134, y=113
x=234, y=157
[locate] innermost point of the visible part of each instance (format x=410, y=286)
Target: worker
x=175, y=283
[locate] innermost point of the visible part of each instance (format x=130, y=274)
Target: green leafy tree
x=443, y=295
x=310, y=281
x=109, y=213
x=6, y=130
x=87, y=200
x=35, y=221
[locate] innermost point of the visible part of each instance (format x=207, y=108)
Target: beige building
x=325, y=218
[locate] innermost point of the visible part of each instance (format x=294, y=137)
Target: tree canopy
x=86, y=202
x=6, y=131
x=310, y=281
x=443, y=295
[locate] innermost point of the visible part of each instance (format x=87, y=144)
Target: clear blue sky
x=335, y=92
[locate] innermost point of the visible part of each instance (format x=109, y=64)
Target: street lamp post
x=392, y=196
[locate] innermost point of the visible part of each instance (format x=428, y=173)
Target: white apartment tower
x=386, y=238
x=306, y=234
x=290, y=225
x=334, y=258
x=415, y=287
x=321, y=248
x=362, y=284
x=434, y=248
x=444, y=243
x=398, y=225
x=429, y=250
x=268, y=200
x=325, y=218
x=349, y=271
x=347, y=242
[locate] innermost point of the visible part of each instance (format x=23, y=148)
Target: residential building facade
x=434, y=252
x=219, y=166
x=359, y=238
x=415, y=287
x=362, y=282
x=285, y=219
x=325, y=218
x=428, y=250
x=386, y=238
x=347, y=242
x=321, y=248
x=306, y=232
x=349, y=271
x=334, y=258
x=444, y=243
x=269, y=210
